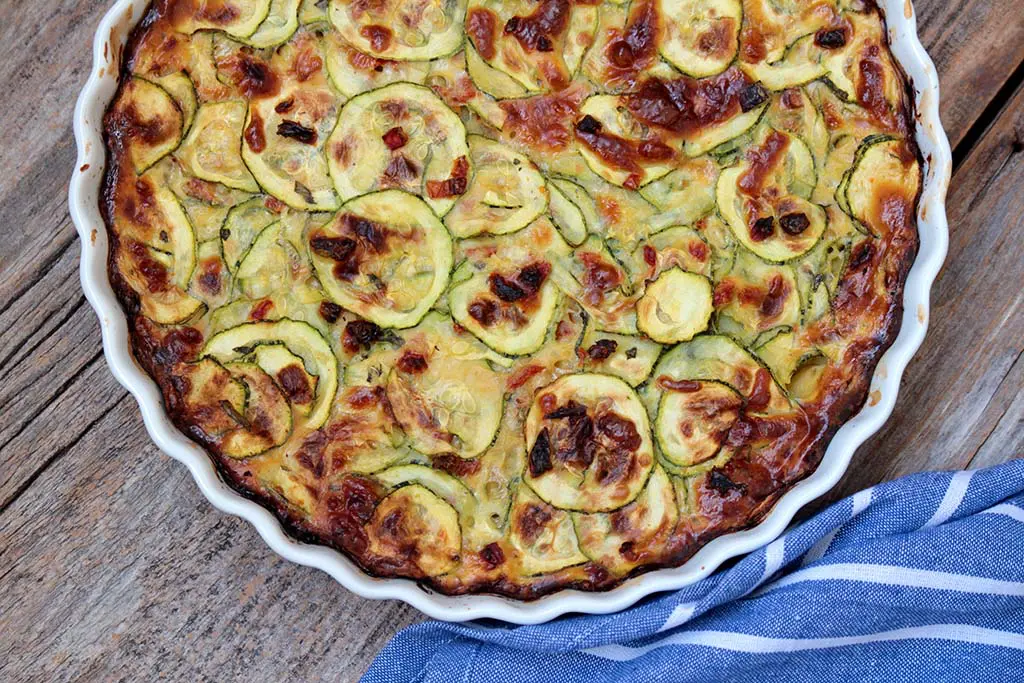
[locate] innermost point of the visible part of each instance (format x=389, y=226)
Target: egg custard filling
x=519, y=296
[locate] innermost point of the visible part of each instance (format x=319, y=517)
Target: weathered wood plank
x=114, y=567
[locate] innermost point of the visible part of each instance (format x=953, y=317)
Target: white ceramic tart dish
x=523, y=314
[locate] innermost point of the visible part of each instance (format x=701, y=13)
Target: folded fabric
x=919, y=579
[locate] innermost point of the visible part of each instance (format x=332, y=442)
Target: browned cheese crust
x=511, y=297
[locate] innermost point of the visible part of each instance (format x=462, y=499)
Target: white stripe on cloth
x=742, y=642
x=1007, y=510
x=951, y=501
x=680, y=615
x=898, y=576
x=860, y=502
x=774, y=555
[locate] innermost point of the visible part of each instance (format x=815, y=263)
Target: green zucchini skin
x=511, y=297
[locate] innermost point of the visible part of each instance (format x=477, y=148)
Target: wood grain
x=113, y=567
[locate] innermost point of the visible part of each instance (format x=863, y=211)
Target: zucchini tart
x=512, y=296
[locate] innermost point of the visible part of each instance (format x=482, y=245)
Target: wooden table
x=114, y=567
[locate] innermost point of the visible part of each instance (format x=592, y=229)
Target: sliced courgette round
x=539, y=47
x=764, y=199
x=353, y=72
x=595, y=279
x=489, y=80
x=675, y=307
x=272, y=264
x=312, y=11
x=401, y=30
x=701, y=37
x=213, y=398
x=628, y=357
x=506, y=194
x=240, y=18
x=267, y=420
x=567, y=216
x=543, y=536
x=619, y=148
x=621, y=540
x=149, y=272
x=883, y=167
x=507, y=299
x=241, y=227
x=693, y=421
x=400, y=136
x=710, y=137
x=385, y=256
x=148, y=120
x=677, y=247
x=588, y=443
x=290, y=373
x=285, y=135
x=719, y=358
x=213, y=148
x=282, y=21
x=301, y=339
x=756, y=297
x=687, y=193
x=802, y=63
x=179, y=86
x=414, y=525
x=442, y=391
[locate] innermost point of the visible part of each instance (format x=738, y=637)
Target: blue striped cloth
x=920, y=579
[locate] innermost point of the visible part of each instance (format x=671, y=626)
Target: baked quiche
x=511, y=296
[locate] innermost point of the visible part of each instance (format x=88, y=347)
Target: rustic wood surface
x=113, y=566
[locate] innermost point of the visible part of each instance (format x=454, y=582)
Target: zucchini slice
x=149, y=121
x=506, y=194
x=508, y=300
x=593, y=278
x=413, y=524
x=267, y=420
x=676, y=247
x=239, y=18
x=353, y=72
x=619, y=148
x=883, y=168
x=588, y=442
x=443, y=392
x=401, y=30
x=290, y=373
x=385, y=256
x=675, y=307
x=282, y=21
x=441, y=484
x=487, y=79
x=784, y=354
x=718, y=358
x=213, y=148
x=539, y=47
x=300, y=339
x=214, y=397
x=702, y=37
x=400, y=136
x=756, y=297
x=285, y=135
x=687, y=193
x=149, y=272
x=272, y=264
x=566, y=216
x=312, y=11
x=764, y=199
x=364, y=436
x=621, y=540
x=628, y=357
x=802, y=63
x=179, y=86
x=543, y=535
x=582, y=202
x=694, y=420
x=710, y=137
x=241, y=227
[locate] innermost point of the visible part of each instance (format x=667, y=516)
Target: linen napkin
x=919, y=579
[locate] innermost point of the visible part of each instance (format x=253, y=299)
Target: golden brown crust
x=327, y=482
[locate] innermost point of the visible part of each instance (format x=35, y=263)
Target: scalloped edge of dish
x=86, y=182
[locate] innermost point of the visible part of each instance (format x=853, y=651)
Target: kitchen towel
x=918, y=579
